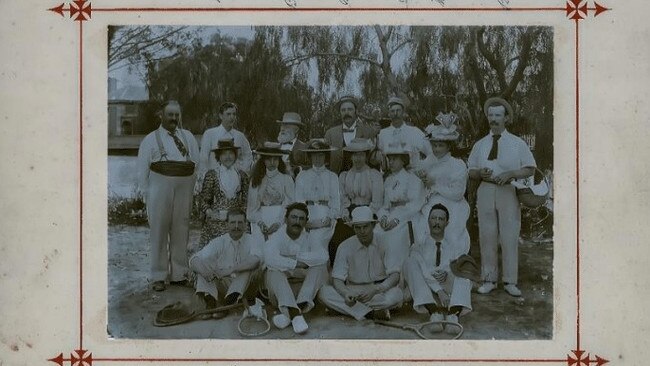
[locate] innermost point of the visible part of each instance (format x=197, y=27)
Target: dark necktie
x=438, y=253
x=495, y=147
x=179, y=144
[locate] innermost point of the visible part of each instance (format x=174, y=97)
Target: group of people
x=362, y=220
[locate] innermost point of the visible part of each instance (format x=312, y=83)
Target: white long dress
x=403, y=199
x=449, y=177
x=319, y=189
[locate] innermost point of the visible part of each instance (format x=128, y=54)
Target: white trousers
x=169, y=203
x=458, y=289
x=499, y=221
x=385, y=300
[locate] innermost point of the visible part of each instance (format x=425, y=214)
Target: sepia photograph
x=330, y=182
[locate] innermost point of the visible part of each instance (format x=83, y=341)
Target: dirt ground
x=132, y=304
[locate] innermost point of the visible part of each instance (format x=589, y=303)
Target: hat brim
x=360, y=149
x=271, y=153
x=502, y=101
x=318, y=150
x=444, y=138
x=352, y=223
x=295, y=123
x=226, y=148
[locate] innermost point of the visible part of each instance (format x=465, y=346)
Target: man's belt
x=367, y=283
x=173, y=168
x=398, y=204
x=313, y=203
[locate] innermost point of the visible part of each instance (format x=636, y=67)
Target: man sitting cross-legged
x=432, y=284
x=365, y=274
x=227, y=264
x=290, y=255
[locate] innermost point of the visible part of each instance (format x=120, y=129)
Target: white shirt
x=282, y=253
x=223, y=252
x=348, y=136
x=288, y=147
x=209, y=141
x=425, y=253
x=319, y=185
x=406, y=137
x=149, y=152
x=513, y=154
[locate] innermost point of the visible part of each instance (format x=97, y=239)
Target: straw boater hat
x=396, y=100
x=358, y=145
x=225, y=144
x=317, y=146
x=398, y=150
x=361, y=215
x=465, y=267
x=291, y=118
x=511, y=113
x=271, y=149
x=447, y=130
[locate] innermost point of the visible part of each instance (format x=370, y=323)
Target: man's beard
x=285, y=137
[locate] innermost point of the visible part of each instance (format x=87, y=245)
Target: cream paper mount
x=55, y=256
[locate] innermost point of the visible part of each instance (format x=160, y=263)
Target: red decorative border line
x=576, y=10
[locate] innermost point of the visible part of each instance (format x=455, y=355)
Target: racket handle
x=411, y=236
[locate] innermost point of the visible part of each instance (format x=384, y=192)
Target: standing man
x=225, y=131
x=166, y=165
x=341, y=135
x=289, y=255
x=365, y=274
x=227, y=265
x=402, y=136
x=432, y=284
x=496, y=160
x=296, y=159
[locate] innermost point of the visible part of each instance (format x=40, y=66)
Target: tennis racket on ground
x=423, y=330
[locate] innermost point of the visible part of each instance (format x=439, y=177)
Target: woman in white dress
x=403, y=199
x=359, y=186
x=271, y=190
x=318, y=187
x=445, y=178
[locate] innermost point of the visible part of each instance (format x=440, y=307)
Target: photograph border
x=81, y=11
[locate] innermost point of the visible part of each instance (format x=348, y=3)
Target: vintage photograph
x=330, y=182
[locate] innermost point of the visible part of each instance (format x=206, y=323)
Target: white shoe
x=512, y=290
x=299, y=325
x=486, y=288
x=436, y=318
x=451, y=328
x=281, y=321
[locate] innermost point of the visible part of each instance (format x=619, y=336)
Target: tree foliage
x=306, y=69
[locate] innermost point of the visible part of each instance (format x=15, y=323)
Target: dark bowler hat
x=225, y=144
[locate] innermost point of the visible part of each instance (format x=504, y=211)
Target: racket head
x=250, y=326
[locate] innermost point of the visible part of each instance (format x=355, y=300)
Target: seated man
x=427, y=273
x=227, y=264
x=290, y=255
x=365, y=274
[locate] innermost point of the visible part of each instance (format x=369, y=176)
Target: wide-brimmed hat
x=358, y=145
x=447, y=130
x=317, y=146
x=225, y=144
x=465, y=267
x=271, y=149
x=291, y=118
x=511, y=112
x=399, y=151
x=347, y=98
x=361, y=215
x=396, y=100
